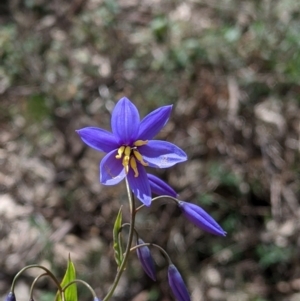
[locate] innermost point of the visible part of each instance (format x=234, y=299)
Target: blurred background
x=232, y=70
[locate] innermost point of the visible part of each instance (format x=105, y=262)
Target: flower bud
x=10, y=297
x=146, y=259
x=159, y=187
x=200, y=218
x=96, y=299
x=177, y=284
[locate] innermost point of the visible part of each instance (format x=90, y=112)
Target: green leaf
x=71, y=291
x=117, y=239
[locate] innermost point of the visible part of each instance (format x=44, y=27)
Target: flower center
x=131, y=155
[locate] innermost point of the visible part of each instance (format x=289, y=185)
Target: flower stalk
x=129, y=243
x=148, y=244
x=33, y=284
x=48, y=272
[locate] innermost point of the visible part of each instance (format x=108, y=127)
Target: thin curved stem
x=157, y=198
x=33, y=284
x=128, y=225
x=129, y=242
x=82, y=282
x=36, y=266
x=156, y=246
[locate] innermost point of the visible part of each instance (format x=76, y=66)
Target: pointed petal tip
x=159, y=187
x=98, y=139
x=200, y=218
x=152, y=123
x=78, y=131
x=144, y=198
x=124, y=98
x=147, y=202
x=125, y=121
x=224, y=233
x=177, y=284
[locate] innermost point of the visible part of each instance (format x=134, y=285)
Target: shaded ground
x=232, y=73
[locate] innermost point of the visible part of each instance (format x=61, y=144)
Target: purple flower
x=177, y=284
x=200, y=218
x=193, y=213
x=10, y=297
x=129, y=147
x=146, y=259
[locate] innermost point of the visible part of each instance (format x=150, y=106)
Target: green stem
x=156, y=246
x=158, y=198
x=128, y=246
x=33, y=284
x=82, y=282
x=35, y=266
x=128, y=225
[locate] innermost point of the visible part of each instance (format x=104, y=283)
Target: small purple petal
x=146, y=260
x=177, y=284
x=140, y=185
x=111, y=169
x=96, y=299
x=162, y=154
x=98, y=139
x=159, y=187
x=154, y=122
x=125, y=121
x=200, y=218
x=10, y=297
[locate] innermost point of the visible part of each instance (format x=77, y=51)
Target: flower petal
x=10, y=297
x=98, y=139
x=200, y=218
x=159, y=187
x=162, y=154
x=125, y=121
x=154, y=122
x=111, y=169
x=177, y=284
x=140, y=185
x=146, y=259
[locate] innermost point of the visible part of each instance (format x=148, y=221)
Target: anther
x=139, y=158
x=140, y=142
x=133, y=165
x=120, y=152
x=126, y=158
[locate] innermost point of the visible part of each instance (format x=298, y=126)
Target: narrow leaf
x=71, y=291
x=117, y=238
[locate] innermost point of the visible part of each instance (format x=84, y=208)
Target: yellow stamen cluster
x=130, y=155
